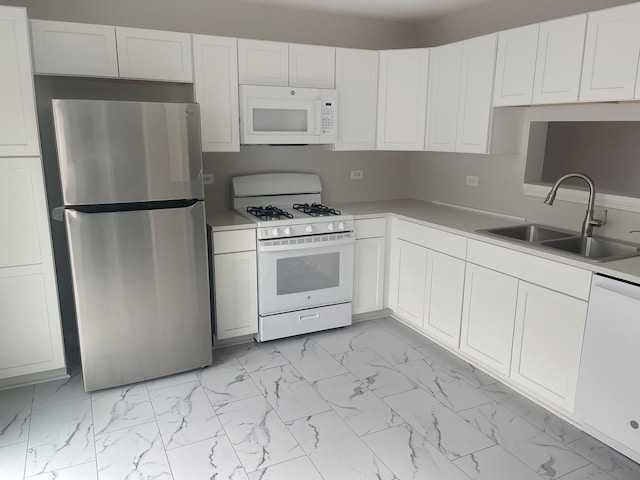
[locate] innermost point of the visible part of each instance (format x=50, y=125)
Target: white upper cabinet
x=215, y=85
x=559, y=61
x=312, y=66
x=263, y=63
x=476, y=93
x=154, y=55
x=357, y=87
x=611, y=52
x=81, y=49
x=445, y=65
x=515, y=66
x=402, y=99
x=18, y=125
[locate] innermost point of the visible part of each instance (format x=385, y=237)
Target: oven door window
x=307, y=273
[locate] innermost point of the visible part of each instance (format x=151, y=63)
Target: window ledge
x=607, y=200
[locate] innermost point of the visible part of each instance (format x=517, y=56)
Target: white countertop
x=453, y=220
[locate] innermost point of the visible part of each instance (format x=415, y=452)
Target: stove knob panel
x=330, y=227
x=286, y=231
x=341, y=226
x=265, y=233
x=274, y=232
x=308, y=229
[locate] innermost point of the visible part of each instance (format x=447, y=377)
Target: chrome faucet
x=589, y=220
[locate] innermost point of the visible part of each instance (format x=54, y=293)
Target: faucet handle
x=599, y=222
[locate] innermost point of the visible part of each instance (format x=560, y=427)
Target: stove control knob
x=287, y=231
x=341, y=225
x=330, y=227
x=308, y=229
x=265, y=233
x=274, y=232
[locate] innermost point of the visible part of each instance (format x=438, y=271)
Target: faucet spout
x=589, y=220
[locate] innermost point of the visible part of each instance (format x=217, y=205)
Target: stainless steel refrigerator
x=131, y=177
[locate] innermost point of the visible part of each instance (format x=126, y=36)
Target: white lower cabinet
x=235, y=284
x=549, y=331
x=488, y=317
x=368, y=275
x=409, y=281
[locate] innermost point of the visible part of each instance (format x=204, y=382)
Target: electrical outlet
x=357, y=175
x=472, y=180
x=207, y=178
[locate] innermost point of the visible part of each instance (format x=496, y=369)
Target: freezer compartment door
x=141, y=287
x=119, y=152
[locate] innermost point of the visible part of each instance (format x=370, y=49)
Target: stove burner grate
x=315, y=209
x=268, y=213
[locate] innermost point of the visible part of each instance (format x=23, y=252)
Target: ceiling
x=404, y=10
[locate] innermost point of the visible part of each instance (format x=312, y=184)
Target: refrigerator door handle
x=57, y=214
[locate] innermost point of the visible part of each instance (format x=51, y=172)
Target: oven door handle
x=300, y=246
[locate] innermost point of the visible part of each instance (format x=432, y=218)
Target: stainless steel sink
x=597, y=249
x=530, y=233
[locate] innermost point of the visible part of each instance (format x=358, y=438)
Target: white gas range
x=305, y=254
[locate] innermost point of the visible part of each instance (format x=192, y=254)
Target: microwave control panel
x=329, y=102
x=328, y=120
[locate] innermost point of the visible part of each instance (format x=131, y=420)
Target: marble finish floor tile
x=449, y=433
x=357, y=406
x=184, y=415
x=309, y=358
x=289, y=393
x=12, y=458
x=544, y=455
x=15, y=415
x=543, y=419
x=590, y=472
x=257, y=434
x=135, y=452
x=59, y=392
x=214, y=458
x=171, y=380
x=457, y=394
x=336, y=451
x=392, y=349
x=410, y=456
x=86, y=471
x=402, y=332
x=227, y=381
x=495, y=463
x=258, y=356
x=121, y=407
x=297, y=469
x=341, y=340
x=456, y=366
x=376, y=373
x=607, y=458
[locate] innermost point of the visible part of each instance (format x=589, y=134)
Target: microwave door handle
x=318, y=108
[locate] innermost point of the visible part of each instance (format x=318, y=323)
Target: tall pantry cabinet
x=31, y=346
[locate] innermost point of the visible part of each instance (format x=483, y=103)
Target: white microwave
x=287, y=115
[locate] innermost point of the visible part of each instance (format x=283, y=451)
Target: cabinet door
x=611, y=50
x=236, y=294
x=18, y=126
x=409, y=281
x=368, y=275
x=312, y=66
x=476, y=93
x=402, y=99
x=559, y=62
x=443, y=95
x=548, y=343
x=515, y=66
x=444, y=291
x=154, y=55
x=263, y=63
x=488, y=316
x=31, y=339
x=79, y=49
x=215, y=85
x=357, y=87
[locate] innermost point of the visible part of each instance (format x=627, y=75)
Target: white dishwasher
x=608, y=395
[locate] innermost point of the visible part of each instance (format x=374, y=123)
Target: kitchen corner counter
x=228, y=220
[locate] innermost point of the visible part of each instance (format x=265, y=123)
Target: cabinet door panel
x=312, y=66
x=236, y=294
x=368, y=275
x=559, y=62
x=215, y=66
x=154, y=54
x=18, y=126
x=357, y=87
x=488, y=317
x=411, y=281
x=548, y=343
x=515, y=66
x=476, y=94
x=263, y=63
x=445, y=64
x=402, y=99
x=445, y=286
x=611, y=53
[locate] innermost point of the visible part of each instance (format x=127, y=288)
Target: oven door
x=304, y=275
